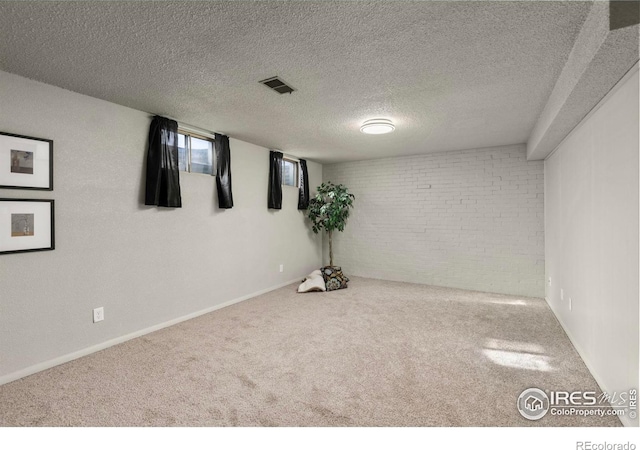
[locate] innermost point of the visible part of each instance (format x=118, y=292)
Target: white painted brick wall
x=478, y=226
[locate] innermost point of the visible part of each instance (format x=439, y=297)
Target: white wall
x=145, y=265
x=479, y=225
x=591, y=215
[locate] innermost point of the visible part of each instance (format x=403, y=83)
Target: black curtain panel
x=163, y=178
x=223, y=171
x=275, y=180
x=303, y=189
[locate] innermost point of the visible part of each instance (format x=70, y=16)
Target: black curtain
x=275, y=180
x=623, y=14
x=223, y=171
x=303, y=190
x=163, y=179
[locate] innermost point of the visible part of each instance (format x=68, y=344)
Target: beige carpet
x=377, y=354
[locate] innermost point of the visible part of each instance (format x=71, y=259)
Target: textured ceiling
x=451, y=75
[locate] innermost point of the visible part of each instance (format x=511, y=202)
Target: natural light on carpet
x=514, y=346
x=516, y=354
x=519, y=360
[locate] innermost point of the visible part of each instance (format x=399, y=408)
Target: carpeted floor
x=379, y=353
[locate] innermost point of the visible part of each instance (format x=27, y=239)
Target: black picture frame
x=14, y=209
x=41, y=165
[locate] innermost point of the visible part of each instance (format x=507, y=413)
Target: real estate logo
x=533, y=404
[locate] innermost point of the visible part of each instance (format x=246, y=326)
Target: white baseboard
x=111, y=342
x=626, y=421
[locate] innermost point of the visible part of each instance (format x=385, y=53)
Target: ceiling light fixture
x=377, y=126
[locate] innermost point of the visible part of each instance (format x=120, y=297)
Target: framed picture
x=26, y=225
x=26, y=162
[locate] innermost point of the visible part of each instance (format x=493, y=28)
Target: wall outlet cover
x=98, y=314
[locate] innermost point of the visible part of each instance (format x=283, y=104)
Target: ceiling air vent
x=277, y=85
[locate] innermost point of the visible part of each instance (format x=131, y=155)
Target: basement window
x=195, y=153
x=289, y=172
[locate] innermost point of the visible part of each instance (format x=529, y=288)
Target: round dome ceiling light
x=377, y=126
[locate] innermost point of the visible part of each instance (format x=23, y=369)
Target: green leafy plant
x=329, y=210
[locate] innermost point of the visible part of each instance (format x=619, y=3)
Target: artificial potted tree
x=328, y=211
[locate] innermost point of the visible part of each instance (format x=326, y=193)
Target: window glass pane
x=288, y=173
x=182, y=153
x=201, y=156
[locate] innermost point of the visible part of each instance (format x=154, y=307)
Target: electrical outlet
x=281, y=268
x=549, y=281
x=98, y=314
x=570, y=304
x=561, y=294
